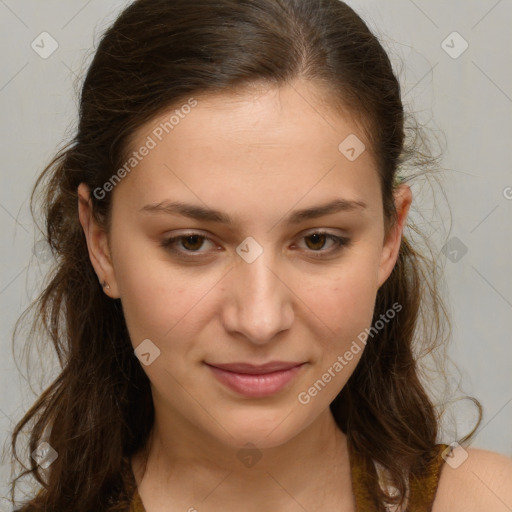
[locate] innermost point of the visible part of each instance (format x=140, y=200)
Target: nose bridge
x=263, y=305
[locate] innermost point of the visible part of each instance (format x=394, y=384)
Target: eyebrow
x=207, y=214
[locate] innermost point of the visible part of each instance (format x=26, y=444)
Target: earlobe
x=391, y=247
x=97, y=243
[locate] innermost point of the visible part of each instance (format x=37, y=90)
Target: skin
x=258, y=157
x=482, y=482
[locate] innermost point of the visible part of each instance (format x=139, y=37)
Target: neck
x=311, y=467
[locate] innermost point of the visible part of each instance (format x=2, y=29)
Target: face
x=272, y=284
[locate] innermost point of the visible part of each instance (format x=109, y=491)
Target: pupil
x=316, y=236
x=192, y=237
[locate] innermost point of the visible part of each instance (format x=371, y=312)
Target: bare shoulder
x=475, y=480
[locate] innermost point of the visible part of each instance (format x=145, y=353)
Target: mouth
x=256, y=381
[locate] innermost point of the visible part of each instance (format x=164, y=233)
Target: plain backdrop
x=453, y=60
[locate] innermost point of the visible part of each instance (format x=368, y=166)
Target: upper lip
x=251, y=369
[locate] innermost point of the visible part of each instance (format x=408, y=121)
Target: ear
x=97, y=242
x=393, y=238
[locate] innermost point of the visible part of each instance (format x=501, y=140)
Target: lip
x=252, y=369
x=256, y=381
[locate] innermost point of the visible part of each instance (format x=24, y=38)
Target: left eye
x=320, y=237
x=192, y=242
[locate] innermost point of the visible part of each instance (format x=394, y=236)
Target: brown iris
x=316, y=237
x=191, y=238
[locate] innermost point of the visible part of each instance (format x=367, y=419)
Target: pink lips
x=256, y=381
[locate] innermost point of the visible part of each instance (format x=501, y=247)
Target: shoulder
x=474, y=480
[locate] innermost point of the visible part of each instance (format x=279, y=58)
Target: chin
x=259, y=429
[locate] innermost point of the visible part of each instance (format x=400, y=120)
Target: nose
x=259, y=301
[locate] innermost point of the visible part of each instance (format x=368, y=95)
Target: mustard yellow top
x=421, y=492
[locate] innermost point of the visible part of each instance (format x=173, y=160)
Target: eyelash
x=340, y=241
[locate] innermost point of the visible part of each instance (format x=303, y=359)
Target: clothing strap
x=422, y=491
x=136, y=503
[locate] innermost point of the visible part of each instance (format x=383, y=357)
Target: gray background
x=467, y=98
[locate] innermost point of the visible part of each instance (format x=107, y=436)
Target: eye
x=190, y=241
x=318, y=240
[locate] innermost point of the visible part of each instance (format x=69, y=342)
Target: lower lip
x=256, y=386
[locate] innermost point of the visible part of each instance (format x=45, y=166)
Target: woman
x=233, y=186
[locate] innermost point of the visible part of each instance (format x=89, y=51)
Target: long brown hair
x=157, y=55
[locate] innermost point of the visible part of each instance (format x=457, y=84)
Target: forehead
x=244, y=147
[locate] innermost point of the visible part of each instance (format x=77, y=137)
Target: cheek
x=156, y=296
x=160, y=304
x=348, y=296
x=345, y=305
